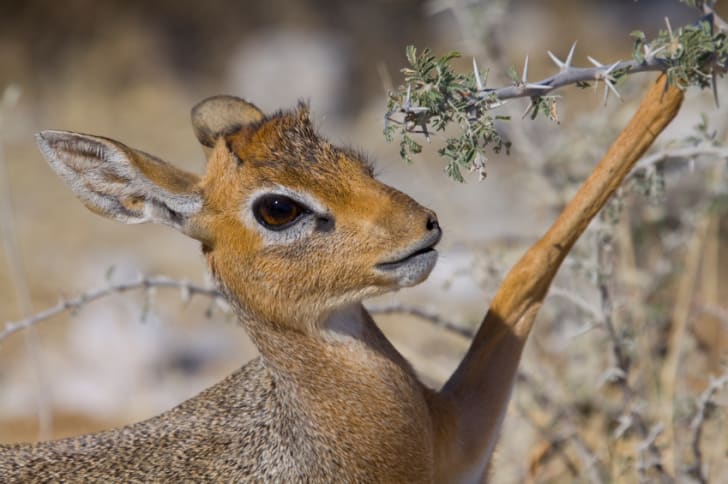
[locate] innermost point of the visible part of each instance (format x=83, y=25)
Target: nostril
x=432, y=222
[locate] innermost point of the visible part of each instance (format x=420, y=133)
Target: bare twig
x=697, y=469
x=713, y=310
x=425, y=315
x=648, y=454
x=688, y=152
x=188, y=289
x=578, y=301
x=565, y=413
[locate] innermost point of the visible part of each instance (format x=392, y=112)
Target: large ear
x=121, y=183
x=222, y=115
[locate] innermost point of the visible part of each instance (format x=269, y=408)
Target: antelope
x=296, y=233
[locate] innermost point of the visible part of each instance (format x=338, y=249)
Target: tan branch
x=481, y=386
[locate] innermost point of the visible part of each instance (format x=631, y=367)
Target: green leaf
x=411, y=53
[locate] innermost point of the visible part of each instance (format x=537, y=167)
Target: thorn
x=612, y=67
x=556, y=60
x=713, y=79
x=595, y=62
x=524, y=78
x=528, y=109
x=407, y=98
x=571, y=55
x=657, y=51
x=425, y=131
x=669, y=28
x=611, y=87
x=563, y=65
x=478, y=80
x=418, y=109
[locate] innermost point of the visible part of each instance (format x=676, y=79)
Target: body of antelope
x=296, y=233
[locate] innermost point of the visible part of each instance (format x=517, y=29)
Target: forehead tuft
x=288, y=141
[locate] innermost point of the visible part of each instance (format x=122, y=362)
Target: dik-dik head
x=292, y=227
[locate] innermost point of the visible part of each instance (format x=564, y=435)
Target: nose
x=432, y=223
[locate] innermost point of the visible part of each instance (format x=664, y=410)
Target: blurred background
x=131, y=70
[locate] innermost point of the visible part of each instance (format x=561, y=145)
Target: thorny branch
x=434, y=96
x=648, y=454
x=433, y=318
x=188, y=289
x=705, y=403
x=684, y=153
x=566, y=414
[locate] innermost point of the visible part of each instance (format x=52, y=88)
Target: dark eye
x=277, y=212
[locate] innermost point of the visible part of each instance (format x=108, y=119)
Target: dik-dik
x=297, y=233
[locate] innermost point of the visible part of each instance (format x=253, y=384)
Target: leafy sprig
x=434, y=96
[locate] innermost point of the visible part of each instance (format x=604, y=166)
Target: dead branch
x=188, y=289
x=705, y=401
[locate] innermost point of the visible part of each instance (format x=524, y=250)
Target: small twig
x=561, y=411
x=146, y=283
x=189, y=289
x=621, y=362
x=697, y=470
x=648, y=454
x=689, y=152
x=425, y=315
x=577, y=301
x=713, y=310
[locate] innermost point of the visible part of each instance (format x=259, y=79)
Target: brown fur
x=329, y=399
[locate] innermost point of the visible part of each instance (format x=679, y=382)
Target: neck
x=347, y=333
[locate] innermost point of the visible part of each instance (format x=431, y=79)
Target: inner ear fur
x=219, y=116
x=122, y=183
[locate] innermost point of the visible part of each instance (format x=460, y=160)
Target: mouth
x=412, y=265
x=409, y=259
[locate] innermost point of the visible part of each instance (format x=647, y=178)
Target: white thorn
x=606, y=93
x=570, y=56
x=612, y=67
x=657, y=51
x=669, y=28
x=594, y=61
x=478, y=80
x=556, y=60
x=528, y=109
x=407, y=98
x=524, y=78
x=611, y=87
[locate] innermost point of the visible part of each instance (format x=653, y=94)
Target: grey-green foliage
x=692, y=55
x=437, y=96
x=434, y=96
